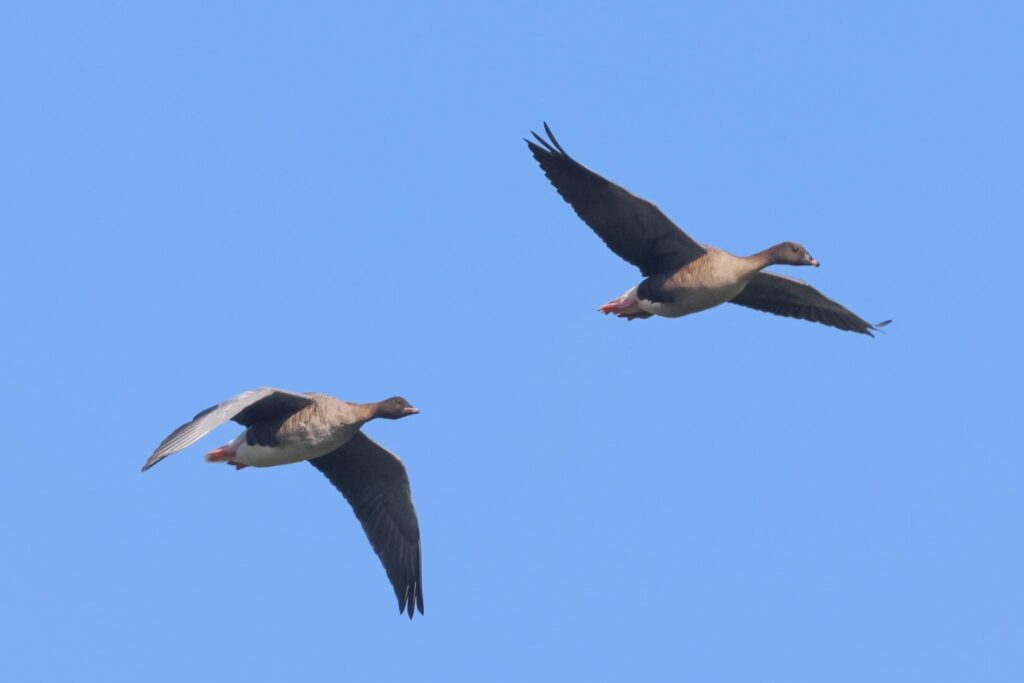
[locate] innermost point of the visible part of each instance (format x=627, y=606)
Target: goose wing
x=246, y=408
x=794, y=298
x=376, y=485
x=632, y=227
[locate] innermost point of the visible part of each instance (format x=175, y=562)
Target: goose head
x=394, y=408
x=792, y=254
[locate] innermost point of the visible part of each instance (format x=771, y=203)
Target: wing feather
x=794, y=298
x=246, y=408
x=632, y=227
x=376, y=485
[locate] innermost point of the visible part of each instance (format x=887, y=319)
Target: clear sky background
x=200, y=198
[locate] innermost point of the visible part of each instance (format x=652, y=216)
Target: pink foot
x=222, y=454
x=609, y=307
x=238, y=465
x=625, y=307
x=618, y=306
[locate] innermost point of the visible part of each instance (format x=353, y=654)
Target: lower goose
x=283, y=427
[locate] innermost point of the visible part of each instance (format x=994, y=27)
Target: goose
x=681, y=276
x=283, y=427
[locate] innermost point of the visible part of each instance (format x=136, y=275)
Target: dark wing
x=375, y=484
x=247, y=408
x=632, y=227
x=793, y=298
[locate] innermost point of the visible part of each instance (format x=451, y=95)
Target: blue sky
x=201, y=198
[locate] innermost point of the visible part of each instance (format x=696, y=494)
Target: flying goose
x=681, y=276
x=284, y=427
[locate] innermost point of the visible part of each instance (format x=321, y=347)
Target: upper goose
x=284, y=427
x=682, y=276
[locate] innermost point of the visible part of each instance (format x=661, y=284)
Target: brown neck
x=364, y=412
x=762, y=259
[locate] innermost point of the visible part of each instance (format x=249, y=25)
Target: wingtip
x=554, y=140
x=411, y=602
x=878, y=327
x=550, y=145
x=154, y=459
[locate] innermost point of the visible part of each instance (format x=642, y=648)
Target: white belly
x=693, y=299
x=266, y=456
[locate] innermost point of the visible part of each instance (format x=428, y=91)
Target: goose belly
x=284, y=454
x=687, y=300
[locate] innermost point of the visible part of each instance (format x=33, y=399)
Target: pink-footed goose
x=683, y=277
x=284, y=427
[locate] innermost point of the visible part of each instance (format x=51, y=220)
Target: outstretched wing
x=247, y=408
x=794, y=298
x=375, y=484
x=632, y=227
